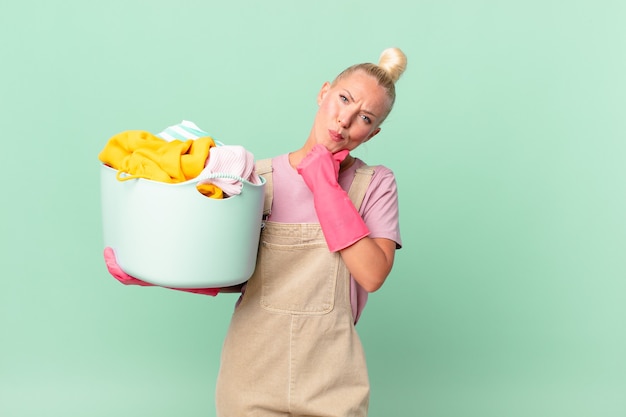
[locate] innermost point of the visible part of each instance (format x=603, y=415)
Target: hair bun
x=393, y=61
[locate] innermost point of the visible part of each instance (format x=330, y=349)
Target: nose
x=344, y=119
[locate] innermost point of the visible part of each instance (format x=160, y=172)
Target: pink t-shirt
x=293, y=203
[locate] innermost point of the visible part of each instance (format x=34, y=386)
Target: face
x=350, y=112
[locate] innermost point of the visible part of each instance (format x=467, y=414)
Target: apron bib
x=291, y=348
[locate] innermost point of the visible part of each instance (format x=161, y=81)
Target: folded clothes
x=182, y=131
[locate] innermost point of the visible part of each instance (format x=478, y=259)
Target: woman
x=291, y=348
x=329, y=238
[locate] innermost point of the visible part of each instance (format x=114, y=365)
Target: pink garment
x=233, y=160
x=293, y=203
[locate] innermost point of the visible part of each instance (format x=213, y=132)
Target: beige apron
x=291, y=349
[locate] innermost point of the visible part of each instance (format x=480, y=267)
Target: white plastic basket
x=173, y=236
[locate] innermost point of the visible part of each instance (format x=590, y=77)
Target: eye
x=366, y=119
x=343, y=98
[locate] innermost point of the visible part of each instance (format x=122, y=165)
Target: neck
x=346, y=163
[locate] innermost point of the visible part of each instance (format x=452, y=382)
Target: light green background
x=508, y=141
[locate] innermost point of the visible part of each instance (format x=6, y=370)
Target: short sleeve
x=380, y=208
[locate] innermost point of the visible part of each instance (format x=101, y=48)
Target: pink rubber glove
x=124, y=278
x=340, y=221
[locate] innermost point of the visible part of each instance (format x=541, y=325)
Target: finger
x=341, y=155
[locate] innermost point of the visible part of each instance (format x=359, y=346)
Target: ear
x=323, y=92
x=374, y=133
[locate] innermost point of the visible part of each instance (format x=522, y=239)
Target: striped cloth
x=183, y=131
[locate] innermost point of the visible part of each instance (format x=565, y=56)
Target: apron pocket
x=298, y=279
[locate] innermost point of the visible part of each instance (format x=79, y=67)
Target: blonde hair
x=391, y=65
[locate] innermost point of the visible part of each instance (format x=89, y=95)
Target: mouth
x=335, y=136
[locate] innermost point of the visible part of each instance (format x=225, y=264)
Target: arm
x=370, y=261
x=233, y=289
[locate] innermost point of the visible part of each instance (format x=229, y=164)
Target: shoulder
x=382, y=177
x=382, y=188
x=267, y=165
x=382, y=174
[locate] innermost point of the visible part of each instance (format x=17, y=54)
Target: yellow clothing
x=210, y=190
x=141, y=154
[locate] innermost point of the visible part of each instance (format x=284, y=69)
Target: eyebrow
x=365, y=110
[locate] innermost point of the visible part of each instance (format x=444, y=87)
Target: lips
x=334, y=135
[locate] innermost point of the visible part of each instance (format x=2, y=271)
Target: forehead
x=364, y=89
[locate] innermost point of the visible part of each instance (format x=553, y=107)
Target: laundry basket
x=173, y=236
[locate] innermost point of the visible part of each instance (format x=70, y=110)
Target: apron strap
x=360, y=184
x=356, y=193
x=264, y=169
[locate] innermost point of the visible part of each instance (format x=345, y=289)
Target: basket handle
x=124, y=176
x=223, y=175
